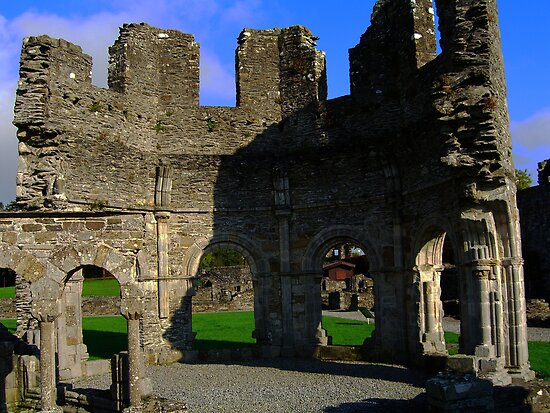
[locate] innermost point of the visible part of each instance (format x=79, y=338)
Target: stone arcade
x=141, y=180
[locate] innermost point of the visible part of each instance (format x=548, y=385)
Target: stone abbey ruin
x=140, y=180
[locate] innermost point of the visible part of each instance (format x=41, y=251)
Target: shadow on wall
x=290, y=167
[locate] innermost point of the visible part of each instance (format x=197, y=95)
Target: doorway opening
x=223, y=306
x=347, y=293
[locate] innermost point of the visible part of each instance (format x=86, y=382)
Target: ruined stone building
x=535, y=226
x=141, y=180
x=225, y=288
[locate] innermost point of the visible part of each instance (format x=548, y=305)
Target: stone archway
x=260, y=277
x=312, y=270
x=312, y=259
x=241, y=243
x=28, y=269
x=428, y=255
x=70, y=260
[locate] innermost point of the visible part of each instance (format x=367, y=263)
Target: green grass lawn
x=346, y=332
x=451, y=340
x=7, y=292
x=105, y=336
x=9, y=324
x=223, y=330
x=539, y=357
x=103, y=288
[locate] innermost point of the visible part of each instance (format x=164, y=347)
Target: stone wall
x=141, y=180
x=535, y=234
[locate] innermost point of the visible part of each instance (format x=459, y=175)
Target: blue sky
x=216, y=25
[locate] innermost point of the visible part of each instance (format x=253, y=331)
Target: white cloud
x=533, y=132
x=531, y=141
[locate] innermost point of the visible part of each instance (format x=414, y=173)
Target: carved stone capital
x=481, y=274
x=45, y=300
x=131, y=302
x=45, y=310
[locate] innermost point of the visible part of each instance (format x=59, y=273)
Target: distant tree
x=224, y=257
x=11, y=206
x=523, y=179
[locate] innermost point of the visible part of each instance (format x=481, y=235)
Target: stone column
x=518, y=363
x=45, y=308
x=131, y=307
x=48, y=390
x=134, y=362
x=163, y=273
x=481, y=279
x=430, y=294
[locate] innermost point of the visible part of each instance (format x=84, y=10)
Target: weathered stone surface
x=142, y=181
x=453, y=393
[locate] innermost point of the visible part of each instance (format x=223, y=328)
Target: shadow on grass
x=103, y=344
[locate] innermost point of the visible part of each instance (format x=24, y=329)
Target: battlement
x=151, y=63
x=150, y=115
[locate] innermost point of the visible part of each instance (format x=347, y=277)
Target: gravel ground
x=286, y=385
x=291, y=385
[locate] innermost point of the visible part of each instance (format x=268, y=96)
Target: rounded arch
x=22, y=262
x=240, y=243
x=428, y=245
x=68, y=259
x=313, y=257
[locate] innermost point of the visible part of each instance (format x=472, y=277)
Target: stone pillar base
x=450, y=393
x=321, y=337
x=521, y=375
x=432, y=343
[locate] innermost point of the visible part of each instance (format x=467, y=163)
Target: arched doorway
x=223, y=305
x=323, y=244
x=347, y=292
x=440, y=292
x=450, y=298
x=89, y=326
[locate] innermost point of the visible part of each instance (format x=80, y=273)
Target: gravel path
x=286, y=385
x=291, y=385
